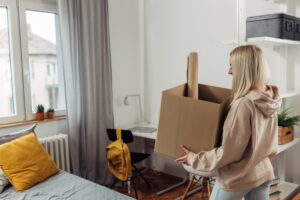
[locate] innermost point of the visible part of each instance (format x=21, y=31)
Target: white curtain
x=88, y=81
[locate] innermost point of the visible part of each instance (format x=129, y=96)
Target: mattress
x=64, y=186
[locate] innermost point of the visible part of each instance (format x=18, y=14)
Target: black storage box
x=274, y=25
x=297, y=29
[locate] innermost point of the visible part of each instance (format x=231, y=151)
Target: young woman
x=249, y=133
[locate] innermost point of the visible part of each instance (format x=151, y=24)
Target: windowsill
x=29, y=122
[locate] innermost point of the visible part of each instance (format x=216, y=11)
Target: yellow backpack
x=118, y=156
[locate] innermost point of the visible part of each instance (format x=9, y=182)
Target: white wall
x=126, y=64
x=173, y=28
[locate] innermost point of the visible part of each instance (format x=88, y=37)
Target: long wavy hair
x=249, y=69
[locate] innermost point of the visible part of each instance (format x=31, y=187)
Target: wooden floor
x=158, y=181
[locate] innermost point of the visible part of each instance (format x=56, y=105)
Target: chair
x=205, y=182
x=127, y=137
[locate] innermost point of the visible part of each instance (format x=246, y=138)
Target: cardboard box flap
x=213, y=94
x=177, y=91
x=206, y=93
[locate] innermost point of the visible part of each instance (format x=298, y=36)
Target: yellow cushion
x=25, y=162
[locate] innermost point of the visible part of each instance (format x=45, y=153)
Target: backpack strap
x=119, y=134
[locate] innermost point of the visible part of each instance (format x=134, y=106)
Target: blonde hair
x=248, y=65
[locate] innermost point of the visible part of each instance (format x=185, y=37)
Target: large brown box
x=195, y=123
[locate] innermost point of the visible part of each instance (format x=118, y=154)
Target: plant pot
x=286, y=138
x=40, y=116
x=285, y=130
x=285, y=134
x=50, y=115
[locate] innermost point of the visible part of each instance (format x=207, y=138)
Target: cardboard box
x=197, y=124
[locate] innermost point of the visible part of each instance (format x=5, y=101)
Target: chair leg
x=203, y=183
x=128, y=185
x=114, y=183
x=188, y=188
x=136, y=195
x=138, y=171
x=208, y=187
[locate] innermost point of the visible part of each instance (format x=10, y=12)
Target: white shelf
x=265, y=42
x=287, y=94
x=271, y=42
x=287, y=146
x=286, y=189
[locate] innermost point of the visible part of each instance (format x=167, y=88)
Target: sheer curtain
x=88, y=80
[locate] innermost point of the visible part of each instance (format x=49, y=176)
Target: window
x=31, y=72
x=42, y=51
x=7, y=107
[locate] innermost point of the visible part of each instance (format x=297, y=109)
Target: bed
x=64, y=186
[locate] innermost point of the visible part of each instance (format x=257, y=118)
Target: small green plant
x=284, y=120
x=40, y=108
x=50, y=110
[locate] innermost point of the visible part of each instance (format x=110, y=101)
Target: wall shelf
x=272, y=42
x=284, y=147
x=289, y=93
x=265, y=42
x=287, y=189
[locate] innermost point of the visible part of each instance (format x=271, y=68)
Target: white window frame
x=39, y=6
x=15, y=61
x=20, y=57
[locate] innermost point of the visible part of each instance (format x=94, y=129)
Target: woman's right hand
x=183, y=159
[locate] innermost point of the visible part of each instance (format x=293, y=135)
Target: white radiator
x=57, y=146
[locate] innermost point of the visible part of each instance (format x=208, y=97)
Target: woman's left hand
x=183, y=159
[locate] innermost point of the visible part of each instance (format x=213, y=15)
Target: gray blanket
x=64, y=186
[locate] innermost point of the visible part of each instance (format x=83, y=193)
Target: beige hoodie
x=249, y=142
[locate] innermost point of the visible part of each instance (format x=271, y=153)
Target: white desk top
x=151, y=136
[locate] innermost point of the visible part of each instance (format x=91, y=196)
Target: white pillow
x=3, y=181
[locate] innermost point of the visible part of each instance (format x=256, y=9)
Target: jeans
x=259, y=193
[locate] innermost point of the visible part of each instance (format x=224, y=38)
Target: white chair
x=205, y=184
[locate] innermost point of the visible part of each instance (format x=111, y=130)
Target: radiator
x=58, y=148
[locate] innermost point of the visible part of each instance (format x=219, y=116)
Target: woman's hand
x=183, y=159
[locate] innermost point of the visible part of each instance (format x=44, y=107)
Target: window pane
x=7, y=105
x=47, y=86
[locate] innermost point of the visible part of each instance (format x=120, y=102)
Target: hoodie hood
x=268, y=102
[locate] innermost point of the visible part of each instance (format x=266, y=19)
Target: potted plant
x=50, y=113
x=40, y=115
x=286, y=125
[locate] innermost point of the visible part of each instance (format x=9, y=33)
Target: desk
x=153, y=136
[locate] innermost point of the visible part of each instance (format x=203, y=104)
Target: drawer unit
x=274, y=25
x=297, y=29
